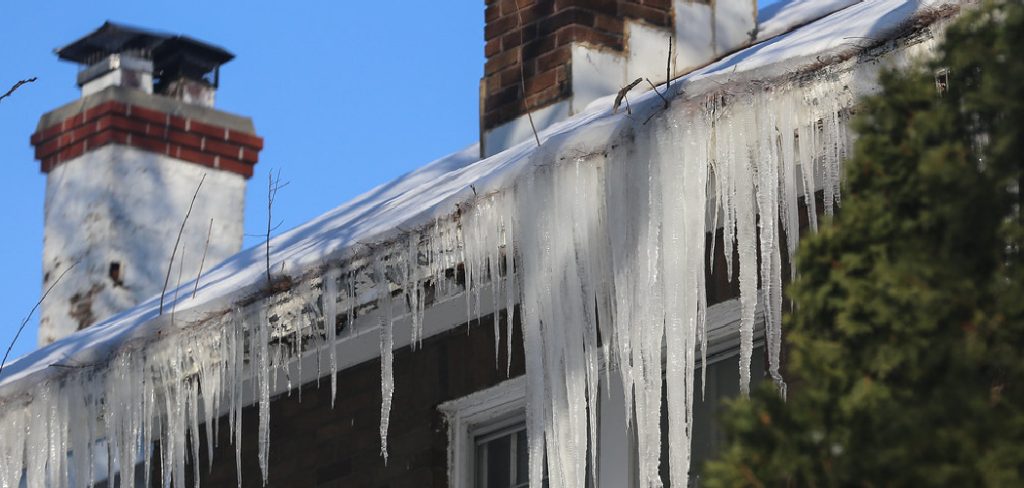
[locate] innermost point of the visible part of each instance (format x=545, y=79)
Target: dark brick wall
x=541, y=31
x=313, y=445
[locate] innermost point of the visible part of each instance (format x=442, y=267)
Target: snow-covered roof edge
x=434, y=191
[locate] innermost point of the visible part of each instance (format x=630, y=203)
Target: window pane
x=494, y=462
x=708, y=437
x=522, y=459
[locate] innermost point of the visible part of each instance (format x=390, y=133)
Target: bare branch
x=622, y=93
x=663, y=99
x=170, y=265
x=668, y=65
x=16, y=86
x=177, y=288
x=203, y=261
x=30, y=312
x=273, y=185
x=522, y=75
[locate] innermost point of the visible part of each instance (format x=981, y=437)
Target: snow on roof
x=783, y=16
x=434, y=190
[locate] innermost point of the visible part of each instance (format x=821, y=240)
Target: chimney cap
x=166, y=50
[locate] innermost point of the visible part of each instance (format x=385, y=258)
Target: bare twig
x=16, y=86
x=273, y=185
x=177, y=288
x=203, y=260
x=170, y=265
x=622, y=93
x=264, y=234
x=30, y=312
x=663, y=99
x=522, y=74
x=668, y=65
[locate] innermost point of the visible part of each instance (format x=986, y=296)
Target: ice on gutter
x=624, y=241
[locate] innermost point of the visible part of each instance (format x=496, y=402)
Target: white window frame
x=494, y=408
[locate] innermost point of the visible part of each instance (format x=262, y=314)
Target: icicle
x=412, y=289
x=330, y=308
x=684, y=224
x=511, y=291
x=260, y=378
x=387, y=384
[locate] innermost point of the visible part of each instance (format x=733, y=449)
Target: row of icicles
x=609, y=256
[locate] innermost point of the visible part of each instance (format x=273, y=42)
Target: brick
x=492, y=47
x=71, y=152
x=176, y=122
x=558, y=57
x=99, y=110
x=207, y=129
x=508, y=77
x=221, y=148
x=652, y=15
x=149, y=115
x=598, y=38
x=194, y=156
x=491, y=13
x=45, y=134
x=235, y=166
x=499, y=62
x=540, y=46
x=245, y=139
x=665, y=5
x=610, y=24
x=128, y=124
x=149, y=144
x=185, y=139
x=499, y=27
x=250, y=156
x=100, y=139
x=518, y=36
x=540, y=82
x=74, y=121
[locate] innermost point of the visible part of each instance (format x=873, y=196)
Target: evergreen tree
x=905, y=344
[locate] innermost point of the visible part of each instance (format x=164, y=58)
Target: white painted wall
x=594, y=73
x=518, y=130
x=122, y=204
x=695, y=42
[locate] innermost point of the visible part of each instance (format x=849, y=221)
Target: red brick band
x=119, y=123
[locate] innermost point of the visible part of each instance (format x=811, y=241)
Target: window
x=487, y=437
x=502, y=458
x=723, y=381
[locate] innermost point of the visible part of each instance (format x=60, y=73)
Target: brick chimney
x=575, y=51
x=122, y=164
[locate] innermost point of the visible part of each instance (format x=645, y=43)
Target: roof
x=165, y=49
x=433, y=191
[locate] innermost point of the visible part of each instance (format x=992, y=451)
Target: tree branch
x=16, y=86
x=170, y=265
x=522, y=75
x=203, y=261
x=34, y=307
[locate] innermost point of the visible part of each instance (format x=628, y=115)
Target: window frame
x=479, y=413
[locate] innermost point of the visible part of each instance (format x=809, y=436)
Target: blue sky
x=348, y=95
